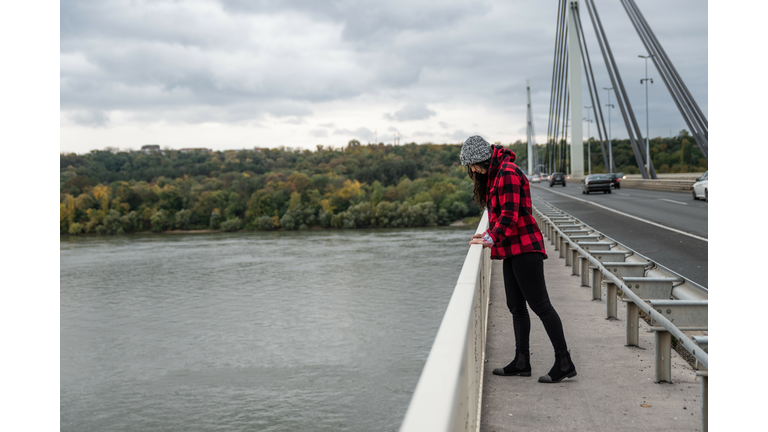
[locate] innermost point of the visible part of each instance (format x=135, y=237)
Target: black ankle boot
x=520, y=366
x=563, y=368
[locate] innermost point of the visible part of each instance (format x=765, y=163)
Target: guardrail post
x=704, y=378
x=663, y=356
x=633, y=332
x=574, y=260
x=597, y=280
x=610, y=300
x=567, y=252
x=584, y=271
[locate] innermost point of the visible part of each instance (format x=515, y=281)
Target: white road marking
x=672, y=201
x=634, y=217
x=619, y=193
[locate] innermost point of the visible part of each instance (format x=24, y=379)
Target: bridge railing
x=448, y=394
x=565, y=232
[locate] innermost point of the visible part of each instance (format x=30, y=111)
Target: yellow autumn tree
x=295, y=201
x=101, y=193
x=350, y=189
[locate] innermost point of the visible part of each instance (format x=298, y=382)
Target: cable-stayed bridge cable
x=621, y=97
x=689, y=109
x=591, y=85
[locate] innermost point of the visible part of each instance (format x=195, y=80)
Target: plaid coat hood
x=510, y=217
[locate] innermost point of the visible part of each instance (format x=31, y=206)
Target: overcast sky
x=231, y=74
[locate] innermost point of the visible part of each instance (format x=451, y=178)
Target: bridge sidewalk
x=614, y=382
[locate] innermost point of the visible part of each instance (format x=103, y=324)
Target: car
x=700, y=188
x=544, y=176
x=556, y=178
x=616, y=178
x=596, y=183
x=535, y=179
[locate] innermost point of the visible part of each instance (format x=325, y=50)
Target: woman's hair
x=481, y=184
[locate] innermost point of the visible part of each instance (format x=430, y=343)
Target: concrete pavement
x=614, y=389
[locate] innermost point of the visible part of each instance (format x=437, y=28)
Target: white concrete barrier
x=448, y=394
x=659, y=184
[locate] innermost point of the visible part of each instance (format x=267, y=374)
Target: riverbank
x=467, y=221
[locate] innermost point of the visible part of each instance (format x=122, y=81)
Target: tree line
x=374, y=185
x=113, y=192
x=678, y=154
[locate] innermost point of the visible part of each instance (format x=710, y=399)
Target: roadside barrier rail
x=450, y=388
x=659, y=184
x=673, y=303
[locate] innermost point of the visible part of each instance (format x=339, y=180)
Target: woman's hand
x=477, y=239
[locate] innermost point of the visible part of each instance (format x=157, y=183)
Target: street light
x=647, y=128
x=610, y=151
x=589, y=150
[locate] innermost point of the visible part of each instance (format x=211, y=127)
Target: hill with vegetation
x=375, y=185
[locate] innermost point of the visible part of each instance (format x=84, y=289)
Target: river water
x=259, y=331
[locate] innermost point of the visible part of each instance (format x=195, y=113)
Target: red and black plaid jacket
x=510, y=219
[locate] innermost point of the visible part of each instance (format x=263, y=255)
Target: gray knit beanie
x=475, y=150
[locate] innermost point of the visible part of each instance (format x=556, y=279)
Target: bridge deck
x=613, y=381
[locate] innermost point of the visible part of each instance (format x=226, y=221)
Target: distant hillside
x=111, y=192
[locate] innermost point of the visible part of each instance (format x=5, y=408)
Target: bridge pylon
x=574, y=88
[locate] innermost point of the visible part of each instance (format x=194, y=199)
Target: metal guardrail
x=681, y=185
x=613, y=262
x=449, y=392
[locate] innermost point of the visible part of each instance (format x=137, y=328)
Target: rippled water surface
x=268, y=331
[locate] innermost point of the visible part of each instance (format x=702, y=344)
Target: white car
x=700, y=188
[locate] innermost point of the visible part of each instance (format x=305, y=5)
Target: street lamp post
x=589, y=149
x=610, y=150
x=647, y=128
x=566, y=150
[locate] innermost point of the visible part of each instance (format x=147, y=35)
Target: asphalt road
x=681, y=247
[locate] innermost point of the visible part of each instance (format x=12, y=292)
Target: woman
x=514, y=237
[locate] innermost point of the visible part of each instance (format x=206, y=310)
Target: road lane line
x=619, y=193
x=634, y=217
x=673, y=201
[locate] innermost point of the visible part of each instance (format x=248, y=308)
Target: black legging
x=524, y=282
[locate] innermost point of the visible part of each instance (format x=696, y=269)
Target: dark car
x=616, y=179
x=556, y=178
x=597, y=183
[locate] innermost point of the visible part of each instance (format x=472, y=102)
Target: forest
x=355, y=186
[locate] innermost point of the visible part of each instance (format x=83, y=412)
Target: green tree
x=233, y=224
x=215, y=219
x=159, y=221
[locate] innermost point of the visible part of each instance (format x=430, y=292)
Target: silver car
x=700, y=189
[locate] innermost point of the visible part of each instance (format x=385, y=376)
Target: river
x=263, y=331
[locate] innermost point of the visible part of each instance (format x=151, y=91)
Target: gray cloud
x=365, y=21
x=359, y=133
x=318, y=133
x=412, y=111
x=94, y=119
x=234, y=61
x=460, y=135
